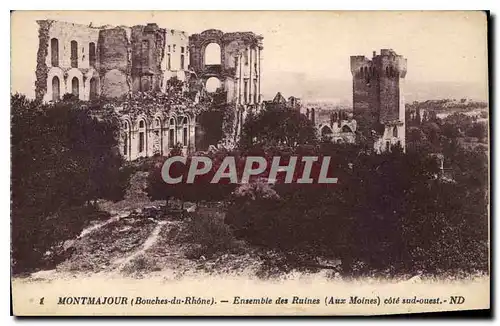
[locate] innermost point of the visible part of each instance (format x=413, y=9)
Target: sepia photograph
x=249, y=163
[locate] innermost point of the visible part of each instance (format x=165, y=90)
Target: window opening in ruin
x=74, y=54
x=245, y=90
x=182, y=49
x=168, y=62
x=171, y=133
x=212, y=54
x=182, y=61
x=54, y=52
x=141, y=142
x=185, y=132
x=55, y=89
x=93, y=89
x=75, y=86
x=92, y=54
x=125, y=144
x=212, y=84
x=141, y=136
x=255, y=90
x=346, y=129
x=145, y=53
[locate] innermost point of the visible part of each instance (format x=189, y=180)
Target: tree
x=62, y=159
x=200, y=190
x=278, y=125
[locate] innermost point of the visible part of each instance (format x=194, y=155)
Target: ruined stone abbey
x=118, y=62
x=214, y=68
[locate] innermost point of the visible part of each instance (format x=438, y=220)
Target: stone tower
x=378, y=101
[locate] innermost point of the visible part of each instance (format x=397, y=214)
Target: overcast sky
x=439, y=46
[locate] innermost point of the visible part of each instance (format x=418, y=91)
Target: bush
x=387, y=214
x=211, y=235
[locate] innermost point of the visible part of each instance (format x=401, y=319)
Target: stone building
x=136, y=63
x=231, y=64
x=378, y=101
x=67, y=61
x=339, y=127
x=109, y=61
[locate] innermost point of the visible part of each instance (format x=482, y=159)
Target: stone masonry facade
x=119, y=61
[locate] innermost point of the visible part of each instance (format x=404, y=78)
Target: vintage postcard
x=250, y=163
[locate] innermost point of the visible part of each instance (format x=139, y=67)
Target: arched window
x=185, y=132
x=171, y=133
x=212, y=54
x=74, y=54
x=55, y=88
x=75, y=86
x=346, y=128
x=93, y=88
x=326, y=131
x=169, y=63
x=142, y=136
x=182, y=61
x=157, y=123
x=92, y=54
x=395, y=131
x=54, y=52
x=387, y=71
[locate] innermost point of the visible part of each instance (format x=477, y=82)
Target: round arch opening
x=212, y=54
x=212, y=84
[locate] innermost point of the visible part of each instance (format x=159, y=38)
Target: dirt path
x=150, y=241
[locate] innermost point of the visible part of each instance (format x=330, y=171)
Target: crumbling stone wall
x=114, y=61
x=148, y=43
x=239, y=72
x=41, y=64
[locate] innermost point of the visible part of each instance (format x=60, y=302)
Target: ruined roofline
x=52, y=21
x=108, y=26
x=229, y=35
x=168, y=30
